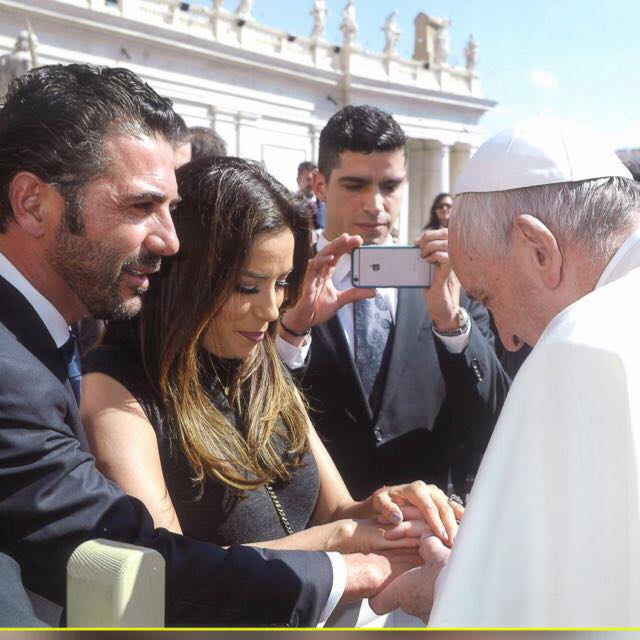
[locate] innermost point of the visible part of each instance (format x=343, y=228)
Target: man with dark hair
x=395, y=386
x=87, y=184
x=306, y=171
x=197, y=142
x=206, y=142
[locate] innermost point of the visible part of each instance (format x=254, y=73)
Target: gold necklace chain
x=279, y=510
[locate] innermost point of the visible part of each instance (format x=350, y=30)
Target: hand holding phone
x=443, y=298
x=390, y=266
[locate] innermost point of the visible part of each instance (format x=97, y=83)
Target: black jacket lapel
x=21, y=319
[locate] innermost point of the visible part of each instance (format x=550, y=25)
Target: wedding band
x=456, y=499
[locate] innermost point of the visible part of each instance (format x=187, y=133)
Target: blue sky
x=576, y=59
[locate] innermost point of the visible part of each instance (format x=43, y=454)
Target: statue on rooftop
x=392, y=33
x=243, y=11
x=471, y=54
x=23, y=58
x=349, y=26
x=319, y=13
x=442, y=46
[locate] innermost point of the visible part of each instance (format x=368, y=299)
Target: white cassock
x=551, y=535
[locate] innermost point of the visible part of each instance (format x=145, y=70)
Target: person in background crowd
x=188, y=406
x=198, y=142
x=206, y=142
x=440, y=211
x=80, y=234
x=546, y=232
x=397, y=383
x=305, y=189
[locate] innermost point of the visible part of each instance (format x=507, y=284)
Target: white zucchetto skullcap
x=540, y=151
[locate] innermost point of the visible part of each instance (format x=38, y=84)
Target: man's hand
x=368, y=573
x=413, y=591
x=443, y=298
x=320, y=300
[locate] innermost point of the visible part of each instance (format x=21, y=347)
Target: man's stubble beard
x=95, y=271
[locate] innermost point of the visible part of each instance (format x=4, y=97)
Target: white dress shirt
x=50, y=316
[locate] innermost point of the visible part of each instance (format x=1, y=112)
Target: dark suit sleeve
x=475, y=381
x=52, y=498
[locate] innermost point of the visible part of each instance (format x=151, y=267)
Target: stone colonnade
x=432, y=168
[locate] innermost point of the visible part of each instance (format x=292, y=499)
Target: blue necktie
x=372, y=324
x=71, y=356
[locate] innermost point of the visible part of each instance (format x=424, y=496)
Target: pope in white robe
x=551, y=535
x=546, y=233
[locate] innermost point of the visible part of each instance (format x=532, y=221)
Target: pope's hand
x=320, y=300
x=443, y=298
x=413, y=591
x=417, y=508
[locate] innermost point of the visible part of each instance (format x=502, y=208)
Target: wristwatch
x=463, y=325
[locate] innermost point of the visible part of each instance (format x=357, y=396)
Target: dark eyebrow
x=253, y=274
x=148, y=196
x=353, y=180
x=262, y=276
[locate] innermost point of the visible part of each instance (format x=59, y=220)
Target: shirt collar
x=627, y=257
x=50, y=316
x=343, y=267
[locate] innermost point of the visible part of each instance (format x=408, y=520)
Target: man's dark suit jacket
x=52, y=498
x=15, y=607
x=432, y=405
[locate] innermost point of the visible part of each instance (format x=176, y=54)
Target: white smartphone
x=390, y=266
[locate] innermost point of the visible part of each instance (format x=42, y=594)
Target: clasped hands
x=414, y=525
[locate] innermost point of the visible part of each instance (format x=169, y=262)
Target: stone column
x=460, y=155
x=435, y=177
x=403, y=223
x=247, y=136
x=415, y=190
x=429, y=173
x=314, y=136
x=440, y=169
x=224, y=122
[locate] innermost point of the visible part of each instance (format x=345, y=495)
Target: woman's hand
x=320, y=300
x=415, y=507
x=367, y=536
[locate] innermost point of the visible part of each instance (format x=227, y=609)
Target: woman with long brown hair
x=189, y=408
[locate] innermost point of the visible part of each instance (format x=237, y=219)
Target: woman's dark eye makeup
x=248, y=289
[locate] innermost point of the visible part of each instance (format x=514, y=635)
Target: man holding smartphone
x=401, y=380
